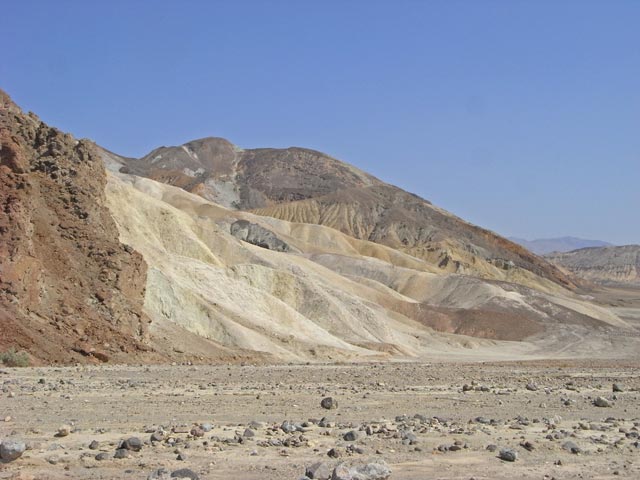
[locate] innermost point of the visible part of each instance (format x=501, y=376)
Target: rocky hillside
x=305, y=186
x=301, y=258
x=221, y=172
x=605, y=265
x=69, y=290
x=300, y=291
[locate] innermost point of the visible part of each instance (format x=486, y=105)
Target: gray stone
x=132, y=443
x=329, y=403
x=121, y=453
x=288, y=427
x=341, y=472
x=409, y=437
x=370, y=471
x=351, y=436
x=102, y=456
x=11, y=450
x=185, y=473
x=319, y=470
x=248, y=433
x=94, y=445
x=617, y=388
x=571, y=447
x=335, y=452
x=601, y=402
x=160, y=474
x=508, y=455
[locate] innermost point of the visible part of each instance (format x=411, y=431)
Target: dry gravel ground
x=409, y=410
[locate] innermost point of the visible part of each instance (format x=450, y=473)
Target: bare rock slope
x=69, y=290
x=605, y=265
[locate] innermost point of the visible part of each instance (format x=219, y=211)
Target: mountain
x=605, y=265
x=300, y=258
x=543, y=246
x=305, y=186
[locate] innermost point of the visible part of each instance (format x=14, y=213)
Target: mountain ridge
x=269, y=180
x=542, y=246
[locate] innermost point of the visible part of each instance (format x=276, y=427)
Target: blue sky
x=520, y=116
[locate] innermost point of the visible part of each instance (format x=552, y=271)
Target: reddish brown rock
x=65, y=278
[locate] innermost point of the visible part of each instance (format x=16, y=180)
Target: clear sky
x=520, y=116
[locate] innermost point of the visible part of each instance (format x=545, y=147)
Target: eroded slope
x=306, y=186
x=328, y=295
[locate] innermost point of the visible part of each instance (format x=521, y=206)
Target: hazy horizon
x=519, y=117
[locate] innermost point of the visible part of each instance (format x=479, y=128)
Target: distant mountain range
x=543, y=246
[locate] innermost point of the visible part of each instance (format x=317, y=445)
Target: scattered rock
x=133, y=443
x=335, y=452
x=601, y=402
x=63, y=431
x=351, y=436
x=160, y=474
x=11, y=450
x=370, y=471
x=571, y=447
x=508, y=455
x=319, y=470
x=185, y=473
x=528, y=446
x=102, y=456
x=121, y=453
x=329, y=403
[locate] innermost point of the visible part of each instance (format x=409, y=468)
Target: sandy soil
x=108, y=404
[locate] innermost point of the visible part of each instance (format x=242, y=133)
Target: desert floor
x=414, y=414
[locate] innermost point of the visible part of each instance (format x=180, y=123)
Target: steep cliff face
x=69, y=290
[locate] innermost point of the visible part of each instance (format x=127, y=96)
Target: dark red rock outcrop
x=69, y=290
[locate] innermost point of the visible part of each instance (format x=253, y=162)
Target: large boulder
x=11, y=450
x=257, y=235
x=369, y=471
